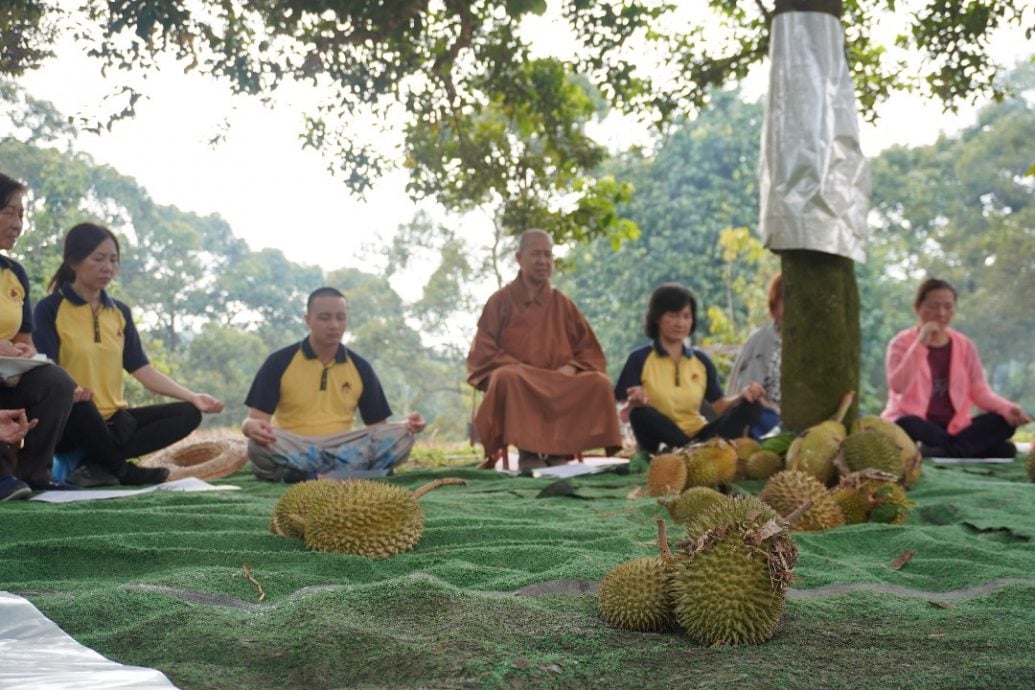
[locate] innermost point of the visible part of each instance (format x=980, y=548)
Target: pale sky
x=275, y=194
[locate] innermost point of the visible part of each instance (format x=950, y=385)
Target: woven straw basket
x=202, y=459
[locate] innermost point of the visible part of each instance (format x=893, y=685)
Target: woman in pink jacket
x=935, y=377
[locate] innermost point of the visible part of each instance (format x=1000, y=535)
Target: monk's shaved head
x=532, y=232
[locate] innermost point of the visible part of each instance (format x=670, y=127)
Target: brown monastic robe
x=523, y=337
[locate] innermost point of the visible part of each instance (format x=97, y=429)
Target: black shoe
x=13, y=489
x=135, y=474
x=87, y=475
x=1006, y=449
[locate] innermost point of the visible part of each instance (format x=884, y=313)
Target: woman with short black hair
x=664, y=384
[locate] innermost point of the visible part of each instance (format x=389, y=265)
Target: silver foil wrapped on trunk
x=814, y=181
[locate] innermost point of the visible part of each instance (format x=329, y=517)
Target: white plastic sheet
x=814, y=182
x=35, y=654
x=185, y=484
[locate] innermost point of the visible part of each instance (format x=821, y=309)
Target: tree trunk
x=821, y=337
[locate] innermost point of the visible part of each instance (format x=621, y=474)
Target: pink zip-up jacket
x=909, y=380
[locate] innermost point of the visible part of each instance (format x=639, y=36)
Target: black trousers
x=45, y=393
x=986, y=433
x=652, y=428
x=132, y=432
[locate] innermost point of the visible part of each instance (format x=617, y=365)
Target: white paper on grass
x=185, y=484
x=35, y=654
x=589, y=465
x=814, y=181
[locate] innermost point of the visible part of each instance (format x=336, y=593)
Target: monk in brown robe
x=541, y=367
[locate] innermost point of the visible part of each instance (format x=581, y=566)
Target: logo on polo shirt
x=14, y=293
x=346, y=387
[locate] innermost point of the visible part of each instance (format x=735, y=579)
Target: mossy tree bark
x=821, y=337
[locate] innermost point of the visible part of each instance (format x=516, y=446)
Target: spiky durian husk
x=891, y=506
x=814, y=450
x=711, y=463
x=1029, y=463
x=763, y=464
x=295, y=504
x=634, y=596
x=366, y=518
x=871, y=496
x=787, y=490
x=666, y=475
x=730, y=584
x=745, y=447
x=872, y=448
x=691, y=503
x=909, y=452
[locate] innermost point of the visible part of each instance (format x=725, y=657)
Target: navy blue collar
x=341, y=356
x=72, y=296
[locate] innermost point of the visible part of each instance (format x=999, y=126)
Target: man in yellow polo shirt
x=303, y=403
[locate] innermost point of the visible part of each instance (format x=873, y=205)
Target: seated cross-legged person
x=42, y=394
x=303, y=404
x=541, y=367
x=935, y=377
x=92, y=336
x=664, y=384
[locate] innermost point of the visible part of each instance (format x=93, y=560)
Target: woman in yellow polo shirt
x=93, y=337
x=41, y=396
x=664, y=384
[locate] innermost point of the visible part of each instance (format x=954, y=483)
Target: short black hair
x=323, y=292
x=930, y=285
x=8, y=188
x=666, y=298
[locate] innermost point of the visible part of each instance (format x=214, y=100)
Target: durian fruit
x=1029, y=463
x=666, y=475
x=369, y=518
x=786, y=491
x=871, y=449
x=634, y=596
x=298, y=500
x=763, y=464
x=891, y=505
x=691, y=503
x=745, y=447
x=729, y=580
x=908, y=450
x=871, y=496
x=814, y=450
x=710, y=463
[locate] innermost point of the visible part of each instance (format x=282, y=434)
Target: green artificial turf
x=159, y=580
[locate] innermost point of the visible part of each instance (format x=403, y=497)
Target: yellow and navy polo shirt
x=674, y=390
x=92, y=347
x=309, y=398
x=15, y=310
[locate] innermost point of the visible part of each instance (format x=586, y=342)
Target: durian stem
x=666, y=552
x=431, y=486
x=798, y=512
x=842, y=409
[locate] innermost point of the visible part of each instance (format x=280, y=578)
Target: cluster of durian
x=358, y=517
x=711, y=463
x=725, y=584
x=827, y=451
x=1029, y=463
